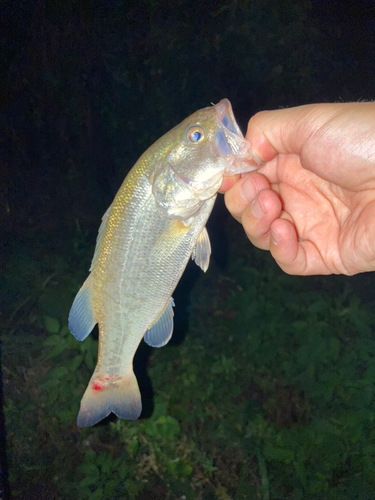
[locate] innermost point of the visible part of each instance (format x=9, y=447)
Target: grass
x=269, y=396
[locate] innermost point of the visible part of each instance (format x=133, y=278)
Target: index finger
x=228, y=182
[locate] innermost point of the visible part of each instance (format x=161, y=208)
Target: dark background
x=87, y=86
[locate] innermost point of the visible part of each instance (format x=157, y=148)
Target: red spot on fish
x=97, y=386
x=106, y=378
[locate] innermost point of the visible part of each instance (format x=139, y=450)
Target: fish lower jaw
x=241, y=165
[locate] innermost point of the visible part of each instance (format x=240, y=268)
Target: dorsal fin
x=100, y=237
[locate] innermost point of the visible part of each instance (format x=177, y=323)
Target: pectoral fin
x=161, y=331
x=202, y=251
x=81, y=317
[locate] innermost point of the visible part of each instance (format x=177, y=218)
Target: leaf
x=98, y=494
x=90, y=470
x=58, y=373
x=187, y=470
x=87, y=481
x=52, y=325
x=160, y=409
x=150, y=428
x=67, y=416
x=49, y=384
x=74, y=364
x=110, y=487
x=318, y=306
x=300, y=325
x=170, y=428
x=278, y=454
x=133, y=447
x=52, y=341
x=65, y=330
x=56, y=351
x=90, y=360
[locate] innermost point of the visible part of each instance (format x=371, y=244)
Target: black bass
x=154, y=225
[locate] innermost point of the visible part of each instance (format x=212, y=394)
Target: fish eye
x=195, y=134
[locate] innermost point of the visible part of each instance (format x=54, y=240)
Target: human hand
x=313, y=203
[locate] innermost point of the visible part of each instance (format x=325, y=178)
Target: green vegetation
x=271, y=393
x=270, y=396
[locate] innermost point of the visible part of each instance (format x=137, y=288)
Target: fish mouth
x=226, y=117
x=231, y=143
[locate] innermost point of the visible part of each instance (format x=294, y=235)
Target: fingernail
x=257, y=160
x=248, y=189
x=275, y=237
x=257, y=209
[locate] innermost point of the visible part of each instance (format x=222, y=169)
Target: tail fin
x=104, y=395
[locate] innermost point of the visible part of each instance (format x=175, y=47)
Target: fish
x=154, y=225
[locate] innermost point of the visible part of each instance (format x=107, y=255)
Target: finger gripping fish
x=154, y=225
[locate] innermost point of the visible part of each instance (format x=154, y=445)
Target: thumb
x=334, y=141
x=287, y=130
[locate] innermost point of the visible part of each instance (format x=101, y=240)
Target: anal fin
x=161, y=331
